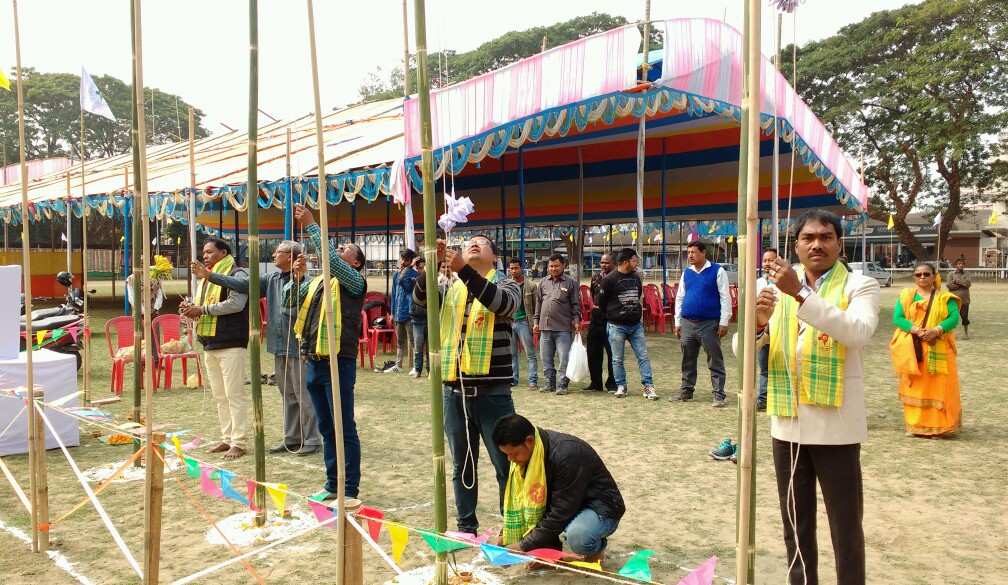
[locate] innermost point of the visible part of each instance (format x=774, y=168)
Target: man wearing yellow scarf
x=222, y=327
x=476, y=316
x=557, y=484
x=817, y=322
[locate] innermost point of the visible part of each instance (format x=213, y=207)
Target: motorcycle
x=62, y=328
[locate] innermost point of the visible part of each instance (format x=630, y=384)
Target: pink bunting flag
x=322, y=512
x=552, y=554
x=73, y=333
x=251, y=484
x=192, y=444
x=207, y=485
x=702, y=575
x=374, y=520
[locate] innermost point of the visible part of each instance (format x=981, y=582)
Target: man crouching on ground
x=557, y=484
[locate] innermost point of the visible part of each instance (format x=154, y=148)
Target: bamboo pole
x=139, y=229
x=775, y=186
x=84, y=268
x=41, y=474
x=405, y=57
x=255, y=323
x=578, y=242
x=433, y=304
x=26, y=262
x=745, y=550
x=289, y=207
x=155, y=466
x=192, y=200
x=323, y=205
x=152, y=500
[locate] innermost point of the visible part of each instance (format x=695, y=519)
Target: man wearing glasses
x=301, y=434
x=477, y=313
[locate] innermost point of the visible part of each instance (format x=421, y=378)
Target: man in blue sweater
x=403, y=282
x=702, y=313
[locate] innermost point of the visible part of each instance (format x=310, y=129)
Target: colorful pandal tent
x=360, y=143
x=523, y=142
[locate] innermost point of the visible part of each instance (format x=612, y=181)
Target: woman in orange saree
x=928, y=379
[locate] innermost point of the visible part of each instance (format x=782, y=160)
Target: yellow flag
x=278, y=492
x=178, y=240
x=993, y=218
x=596, y=566
x=4, y=82
x=731, y=239
x=890, y=222
x=40, y=335
x=178, y=446
x=400, y=536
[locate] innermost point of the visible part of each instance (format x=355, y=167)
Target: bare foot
x=234, y=453
x=220, y=448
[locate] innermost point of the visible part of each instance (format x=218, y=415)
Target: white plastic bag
x=577, y=361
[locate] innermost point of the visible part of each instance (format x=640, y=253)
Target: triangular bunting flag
x=500, y=556
x=891, y=223
x=192, y=444
x=637, y=566
x=702, y=575
x=4, y=82
x=40, y=336
x=192, y=467
x=226, y=477
x=441, y=544
x=322, y=512
x=73, y=333
x=400, y=536
x=251, y=484
x=278, y=493
x=374, y=520
x=596, y=566
x=178, y=446
x=207, y=485
x=551, y=554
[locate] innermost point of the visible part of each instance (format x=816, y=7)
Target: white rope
x=14, y=485
x=374, y=545
x=91, y=495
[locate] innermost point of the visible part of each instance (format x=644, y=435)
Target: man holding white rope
x=477, y=313
x=817, y=320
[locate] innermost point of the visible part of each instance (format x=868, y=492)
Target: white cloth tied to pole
x=458, y=211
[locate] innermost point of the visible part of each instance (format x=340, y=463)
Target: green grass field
x=934, y=511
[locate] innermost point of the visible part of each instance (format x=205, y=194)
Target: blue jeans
x=420, y=347
x=319, y=385
x=586, y=534
x=550, y=344
x=463, y=428
x=524, y=332
x=618, y=336
x=763, y=358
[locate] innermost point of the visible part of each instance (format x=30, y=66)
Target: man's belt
x=317, y=358
x=470, y=391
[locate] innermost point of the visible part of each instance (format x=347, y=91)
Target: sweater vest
x=701, y=301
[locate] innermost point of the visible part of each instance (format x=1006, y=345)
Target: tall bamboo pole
x=752, y=99
x=289, y=207
x=433, y=304
x=641, y=134
x=405, y=56
x=151, y=500
x=26, y=262
x=323, y=205
x=84, y=267
x=192, y=199
x=255, y=323
x=139, y=231
x=41, y=475
x=775, y=185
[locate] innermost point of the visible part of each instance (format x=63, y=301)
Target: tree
x=921, y=90
x=503, y=50
x=52, y=117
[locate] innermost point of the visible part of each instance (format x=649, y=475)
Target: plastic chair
x=364, y=342
x=733, y=293
x=587, y=304
x=123, y=328
x=166, y=328
x=654, y=313
x=386, y=335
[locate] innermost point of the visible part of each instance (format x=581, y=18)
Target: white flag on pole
x=63, y=235
x=91, y=99
x=937, y=220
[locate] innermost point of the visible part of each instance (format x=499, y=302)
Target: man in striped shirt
x=476, y=321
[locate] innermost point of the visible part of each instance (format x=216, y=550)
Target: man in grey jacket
x=301, y=434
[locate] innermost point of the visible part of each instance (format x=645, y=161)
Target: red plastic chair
x=654, y=314
x=364, y=342
x=123, y=333
x=167, y=328
x=586, y=305
x=386, y=335
x=733, y=293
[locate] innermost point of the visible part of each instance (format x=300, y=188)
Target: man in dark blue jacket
x=403, y=282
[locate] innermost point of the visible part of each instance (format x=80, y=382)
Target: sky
x=198, y=49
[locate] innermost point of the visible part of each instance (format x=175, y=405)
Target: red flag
x=374, y=517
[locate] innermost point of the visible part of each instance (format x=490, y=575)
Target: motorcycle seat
x=54, y=322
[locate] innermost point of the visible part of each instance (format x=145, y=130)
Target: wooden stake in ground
x=41, y=475
x=255, y=323
x=155, y=467
x=323, y=206
x=433, y=303
x=26, y=263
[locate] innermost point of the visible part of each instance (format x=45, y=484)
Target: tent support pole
x=664, y=251
x=521, y=199
x=503, y=241
x=289, y=208
x=192, y=200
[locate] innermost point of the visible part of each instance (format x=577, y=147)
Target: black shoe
x=590, y=388
x=282, y=447
x=307, y=450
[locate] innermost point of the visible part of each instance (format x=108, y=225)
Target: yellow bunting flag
x=400, y=536
x=40, y=336
x=596, y=566
x=731, y=239
x=891, y=224
x=4, y=82
x=278, y=493
x=178, y=446
x=992, y=220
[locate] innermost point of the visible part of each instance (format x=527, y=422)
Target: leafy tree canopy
x=52, y=117
x=921, y=91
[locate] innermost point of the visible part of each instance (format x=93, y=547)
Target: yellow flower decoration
x=162, y=268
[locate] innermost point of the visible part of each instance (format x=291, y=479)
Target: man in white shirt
x=702, y=313
x=769, y=255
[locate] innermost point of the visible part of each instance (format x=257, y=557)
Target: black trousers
x=598, y=340
x=838, y=469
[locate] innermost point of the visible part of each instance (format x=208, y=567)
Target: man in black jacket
x=581, y=498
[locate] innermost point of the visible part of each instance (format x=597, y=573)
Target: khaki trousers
x=226, y=372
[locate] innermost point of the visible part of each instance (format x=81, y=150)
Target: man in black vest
x=222, y=327
x=345, y=265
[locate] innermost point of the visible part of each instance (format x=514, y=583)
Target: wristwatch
x=804, y=293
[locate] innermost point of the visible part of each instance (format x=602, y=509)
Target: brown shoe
x=234, y=453
x=220, y=448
